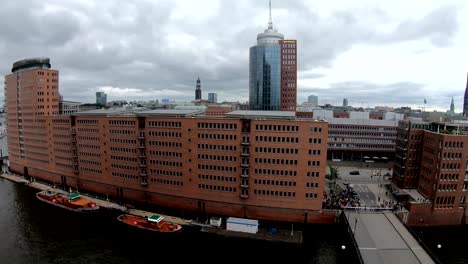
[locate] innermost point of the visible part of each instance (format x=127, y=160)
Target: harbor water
x=35, y=232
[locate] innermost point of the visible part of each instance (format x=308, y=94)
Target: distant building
x=212, y=97
x=465, y=103
x=198, y=92
x=361, y=139
x=312, y=100
x=69, y=107
x=87, y=107
x=345, y=102
x=452, y=106
x=101, y=98
x=219, y=109
x=273, y=72
x=451, y=112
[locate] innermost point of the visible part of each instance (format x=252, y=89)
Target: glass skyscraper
x=265, y=74
x=273, y=72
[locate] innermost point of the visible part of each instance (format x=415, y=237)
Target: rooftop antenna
x=270, y=21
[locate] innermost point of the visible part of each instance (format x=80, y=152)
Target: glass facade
x=265, y=77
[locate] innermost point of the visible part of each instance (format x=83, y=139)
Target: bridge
x=380, y=237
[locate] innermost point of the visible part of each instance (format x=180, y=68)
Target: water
x=34, y=232
x=453, y=241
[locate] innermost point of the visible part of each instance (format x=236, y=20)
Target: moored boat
x=153, y=223
x=73, y=201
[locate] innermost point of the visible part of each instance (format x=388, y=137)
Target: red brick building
x=408, y=155
x=288, y=100
x=361, y=139
x=263, y=165
x=435, y=155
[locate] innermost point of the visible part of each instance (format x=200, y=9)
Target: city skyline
x=150, y=49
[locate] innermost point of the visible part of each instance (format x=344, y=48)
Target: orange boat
x=153, y=223
x=73, y=201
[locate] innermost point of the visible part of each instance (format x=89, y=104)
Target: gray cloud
x=362, y=93
x=141, y=45
x=439, y=27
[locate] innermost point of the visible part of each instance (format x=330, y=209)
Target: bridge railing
x=353, y=239
x=371, y=209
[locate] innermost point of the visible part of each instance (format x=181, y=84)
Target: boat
x=73, y=201
x=153, y=223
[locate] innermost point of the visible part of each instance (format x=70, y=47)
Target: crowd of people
x=339, y=200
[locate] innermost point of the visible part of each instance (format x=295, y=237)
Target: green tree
x=334, y=173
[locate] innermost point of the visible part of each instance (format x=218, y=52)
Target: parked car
x=354, y=173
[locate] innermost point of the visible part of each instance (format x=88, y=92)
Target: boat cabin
x=155, y=219
x=73, y=196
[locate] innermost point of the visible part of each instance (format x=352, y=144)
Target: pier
x=380, y=237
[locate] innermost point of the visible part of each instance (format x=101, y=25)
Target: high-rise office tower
x=198, y=90
x=31, y=94
x=273, y=71
x=312, y=100
x=465, y=103
x=213, y=97
x=101, y=98
x=345, y=102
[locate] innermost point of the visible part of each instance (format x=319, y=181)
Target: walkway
x=382, y=238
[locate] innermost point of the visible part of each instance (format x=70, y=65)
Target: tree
x=334, y=173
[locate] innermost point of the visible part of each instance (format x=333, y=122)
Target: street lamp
x=379, y=193
x=355, y=223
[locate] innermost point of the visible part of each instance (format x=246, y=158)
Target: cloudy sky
x=386, y=52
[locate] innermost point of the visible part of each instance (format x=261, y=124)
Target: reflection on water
x=35, y=232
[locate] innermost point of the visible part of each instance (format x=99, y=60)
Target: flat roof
x=368, y=122
x=66, y=101
x=417, y=197
x=105, y=112
x=31, y=62
x=250, y=114
x=242, y=221
x=171, y=112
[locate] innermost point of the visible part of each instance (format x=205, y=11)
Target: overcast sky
x=386, y=52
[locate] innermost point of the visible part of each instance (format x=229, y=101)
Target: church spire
x=452, y=106
x=198, y=92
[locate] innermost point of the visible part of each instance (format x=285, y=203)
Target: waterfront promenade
x=381, y=238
